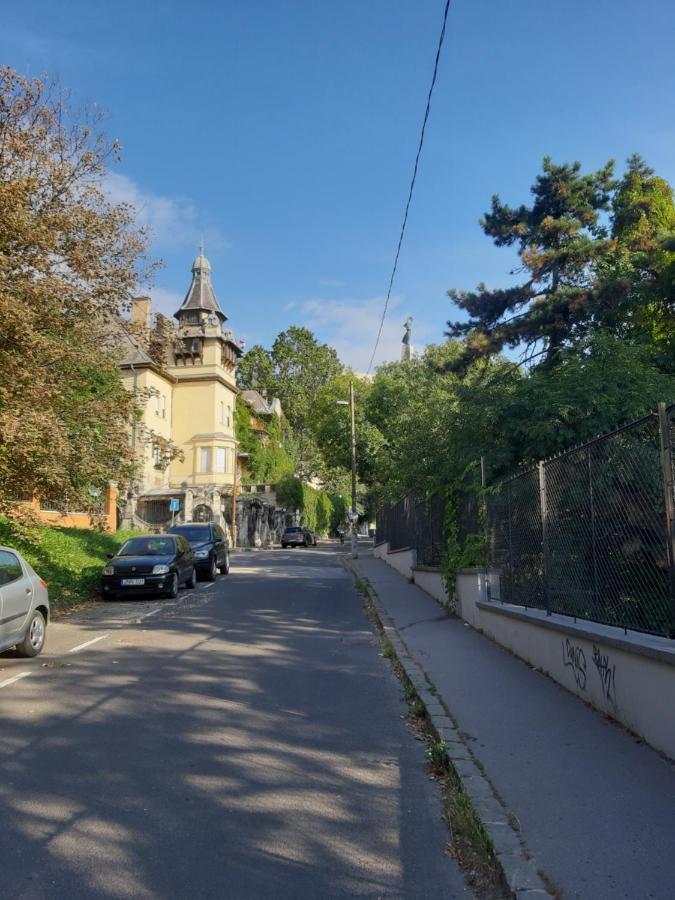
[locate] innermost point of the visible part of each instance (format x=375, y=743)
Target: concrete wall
x=630, y=677
x=431, y=581
x=380, y=550
x=404, y=561
x=107, y=520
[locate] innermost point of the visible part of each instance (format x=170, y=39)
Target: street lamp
x=353, y=516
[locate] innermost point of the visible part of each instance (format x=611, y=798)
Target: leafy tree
x=643, y=268
x=294, y=370
x=561, y=238
x=255, y=370
x=69, y=261
x=332, y=427
x=433, y=422
x=592, y=389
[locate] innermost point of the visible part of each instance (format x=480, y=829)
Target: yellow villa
x=189, y=407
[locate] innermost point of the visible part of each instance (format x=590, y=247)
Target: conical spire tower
x=200, y=296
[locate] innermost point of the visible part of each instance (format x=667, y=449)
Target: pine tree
x=561, y=239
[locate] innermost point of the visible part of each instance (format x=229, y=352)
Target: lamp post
x=353, y=516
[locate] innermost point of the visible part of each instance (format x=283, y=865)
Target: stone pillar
x=214, y=503
x=110, y=509
x=188, y=504
x=129, y=514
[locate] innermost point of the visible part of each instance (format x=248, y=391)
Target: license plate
x=132, y=582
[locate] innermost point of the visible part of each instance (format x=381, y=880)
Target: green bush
x=317, y=508
x=68, y=559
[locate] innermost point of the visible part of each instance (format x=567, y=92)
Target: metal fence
x=590, y=533
x=414, y=523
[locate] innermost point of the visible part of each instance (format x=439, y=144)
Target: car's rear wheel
x=34, y=637
x=173, y=587
x=283, y=546
x=225, y=569
x=212, y=574
x=192, y=580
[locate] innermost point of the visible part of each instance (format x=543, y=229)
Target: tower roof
x=200, y=295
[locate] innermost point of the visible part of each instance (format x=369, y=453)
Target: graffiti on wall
x=607, y=673
x=575, y=659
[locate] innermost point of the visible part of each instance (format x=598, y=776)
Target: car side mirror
x=109, y=555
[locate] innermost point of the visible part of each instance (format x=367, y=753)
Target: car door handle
x=29, y=590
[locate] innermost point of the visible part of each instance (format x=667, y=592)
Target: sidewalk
x=596, y=809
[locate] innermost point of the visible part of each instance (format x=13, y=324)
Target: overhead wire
x=412, y=183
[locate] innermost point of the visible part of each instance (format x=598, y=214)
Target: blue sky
x=285, y=131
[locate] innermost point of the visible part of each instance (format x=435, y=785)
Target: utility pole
x=352, y=518
x=351, y=407
x=234, y=501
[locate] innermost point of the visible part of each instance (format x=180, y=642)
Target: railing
x=589, y=533
x=414, y=523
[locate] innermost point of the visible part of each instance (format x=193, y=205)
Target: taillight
x=44, y=584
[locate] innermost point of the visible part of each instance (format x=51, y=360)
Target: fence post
x=543, y=505
x=669, y=497
x=486, y=531
x=508, y=513
x=594, y=553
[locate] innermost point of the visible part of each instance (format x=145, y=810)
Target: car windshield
x=193, y=532
x=293, y=530
x=149, y=546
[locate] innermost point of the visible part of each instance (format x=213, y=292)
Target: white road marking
x=88, y=643
x=14, y=678
x=153, y=612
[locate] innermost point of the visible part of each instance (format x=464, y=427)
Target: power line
x=412, y=184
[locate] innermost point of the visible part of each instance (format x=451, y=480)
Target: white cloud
x=173, y=221
x=351, y=327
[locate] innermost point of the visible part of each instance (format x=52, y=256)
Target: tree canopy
x=69, y=261
x=596, y=254
x=294, y=370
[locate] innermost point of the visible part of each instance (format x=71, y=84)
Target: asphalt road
x=243, y=741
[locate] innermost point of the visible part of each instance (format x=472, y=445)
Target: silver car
x=24, y=605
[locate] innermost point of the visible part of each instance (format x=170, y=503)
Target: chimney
x=141, y=312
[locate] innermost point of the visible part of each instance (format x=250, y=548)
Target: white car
x=24, y=605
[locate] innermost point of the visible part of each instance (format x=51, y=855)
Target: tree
x=294, y=370
x=561, y=239
x=331, y=424
x=435, y=423
x=69, y=261
x=644, y=263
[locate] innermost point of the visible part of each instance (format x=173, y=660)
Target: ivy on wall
x=319, y=511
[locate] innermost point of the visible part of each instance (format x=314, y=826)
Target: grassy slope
x=69, y=559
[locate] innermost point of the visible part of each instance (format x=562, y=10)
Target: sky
x=284, y=132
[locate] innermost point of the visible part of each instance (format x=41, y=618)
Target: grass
x=69, y=559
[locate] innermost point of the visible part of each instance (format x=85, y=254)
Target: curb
x=518, y=868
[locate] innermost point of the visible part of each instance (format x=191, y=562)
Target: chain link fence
x=589, y=533
x=414, y=523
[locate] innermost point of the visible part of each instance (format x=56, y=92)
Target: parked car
x=296, y=536
x=153, y=564
x=24, y=605
x=209, y=547
x=312, y=538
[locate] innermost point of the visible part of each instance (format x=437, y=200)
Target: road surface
x=243, y=741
